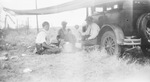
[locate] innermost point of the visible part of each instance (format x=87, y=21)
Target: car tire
x=109, y=43
x=145, y=45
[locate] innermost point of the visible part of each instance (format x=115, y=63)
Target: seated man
x=41, y=40
x=62, y=33
x=90, y=35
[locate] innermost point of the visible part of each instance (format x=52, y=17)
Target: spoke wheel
x=144, y=32
x=108, y=42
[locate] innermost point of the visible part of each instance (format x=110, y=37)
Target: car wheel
x=109, y=43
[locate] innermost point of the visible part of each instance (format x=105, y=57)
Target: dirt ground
x=80, y=66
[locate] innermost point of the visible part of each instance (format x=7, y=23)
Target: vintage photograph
x=74, y=40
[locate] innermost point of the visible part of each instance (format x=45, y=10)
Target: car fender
x=116, y=29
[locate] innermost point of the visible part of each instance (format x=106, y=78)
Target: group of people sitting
x=87, y=38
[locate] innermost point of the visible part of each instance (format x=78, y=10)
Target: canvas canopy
x=72, y=5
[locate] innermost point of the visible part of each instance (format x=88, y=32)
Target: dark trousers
x=44, y=50
x=90, y=42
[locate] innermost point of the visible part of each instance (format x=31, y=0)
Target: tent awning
x=76, y=4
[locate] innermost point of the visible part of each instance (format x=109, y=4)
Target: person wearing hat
x=90, y=35
x=62, y=33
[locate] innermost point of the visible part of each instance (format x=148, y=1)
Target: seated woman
x=77, y=32
x=71, y=37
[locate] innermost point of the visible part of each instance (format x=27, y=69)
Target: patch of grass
x=97, y=65
x=114, y=69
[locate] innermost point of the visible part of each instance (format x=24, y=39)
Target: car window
x=89, y=11
x=109, y=8
x=115, y=6
x=98, y=9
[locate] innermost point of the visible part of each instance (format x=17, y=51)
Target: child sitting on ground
x=41, y=42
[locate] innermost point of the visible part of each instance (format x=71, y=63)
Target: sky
x=72, y=17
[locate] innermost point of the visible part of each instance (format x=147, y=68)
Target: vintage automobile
x=124, y=23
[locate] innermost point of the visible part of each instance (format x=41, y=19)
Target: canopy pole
x=87, y=12
x=37, y=18
x=37, y=24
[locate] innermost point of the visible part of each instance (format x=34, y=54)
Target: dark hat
x=89, y=18
x=64, y=22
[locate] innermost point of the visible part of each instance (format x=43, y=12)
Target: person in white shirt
x=71, y=37
x=90, y=35
x=77, y=33
x=41, y=40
